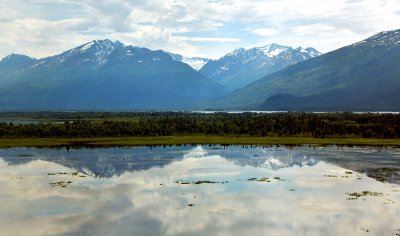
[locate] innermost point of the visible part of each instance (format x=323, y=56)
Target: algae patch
x=199, y=182
x=356, y=195
x=262, y=179
x=62, y=184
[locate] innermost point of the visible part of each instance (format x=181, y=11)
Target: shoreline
x=191, y=140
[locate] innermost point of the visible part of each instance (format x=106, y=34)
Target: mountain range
x=101, y=75
x=364, y=76
x=107, y=75
x=241, y=67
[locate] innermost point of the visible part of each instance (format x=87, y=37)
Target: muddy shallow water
x=200, y=190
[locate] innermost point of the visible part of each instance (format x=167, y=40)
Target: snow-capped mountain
x=241, y=67
x=96, y=53
x=101, y=74
x=91, y=55
x=99, y=53
x=195, y=62
x=386, y=38
x=363, y=76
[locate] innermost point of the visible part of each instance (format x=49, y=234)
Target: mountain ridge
x=362, y=76
x=244, y=66
x=102, y=74
x=107, y=75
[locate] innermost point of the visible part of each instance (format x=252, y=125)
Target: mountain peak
x=100, y=44
x=386, y=35
x=272, y=46
x=272, y=50
x=241, y=67
x=16, y=62
x=236, y=52
x=102, y=74
x=358, y=77
x=386, y=38
x=15, y=56
x=96, y=51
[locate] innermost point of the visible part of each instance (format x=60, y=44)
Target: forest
x=147, y=124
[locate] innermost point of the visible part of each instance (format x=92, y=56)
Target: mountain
x=241, y=67
x=11, y=66
x=364, y=76
x=15, y=62
x=195, y=62
x=101, y=75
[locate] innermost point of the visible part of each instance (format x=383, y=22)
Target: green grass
x=175, y=140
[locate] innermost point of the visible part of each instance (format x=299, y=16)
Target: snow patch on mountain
x=386, y=38
x=243, y=66
x=263, y=56
x=86, y=47
x=97, y=51
x=195, y=62
x=236, y=52
x=272, y=50
x=38, y=64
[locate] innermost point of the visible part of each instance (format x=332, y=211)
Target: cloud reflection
x=303, y=201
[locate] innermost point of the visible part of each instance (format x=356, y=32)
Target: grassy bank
x=175, y=140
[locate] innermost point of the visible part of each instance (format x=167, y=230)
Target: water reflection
x=99, y=162
x=382, y=164
x=107, y=162
x=308, y=196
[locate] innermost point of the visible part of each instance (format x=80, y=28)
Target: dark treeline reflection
x=368, y=125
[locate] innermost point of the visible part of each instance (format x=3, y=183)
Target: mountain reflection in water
x=108, y=162
x=202, y=190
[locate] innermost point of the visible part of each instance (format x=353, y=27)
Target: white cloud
x=263, y=31
x=203, y=39
x=314, y=29
x=44, y=27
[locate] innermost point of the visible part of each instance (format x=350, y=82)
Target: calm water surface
x=200, y=190
x=26, y=122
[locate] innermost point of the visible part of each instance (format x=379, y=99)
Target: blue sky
x=212, y=28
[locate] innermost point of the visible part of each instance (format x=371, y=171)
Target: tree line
x=320, y=125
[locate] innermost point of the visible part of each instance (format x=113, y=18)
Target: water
x=28, y=122
x=316, y=112
x=20, y=122
x=200, y=190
